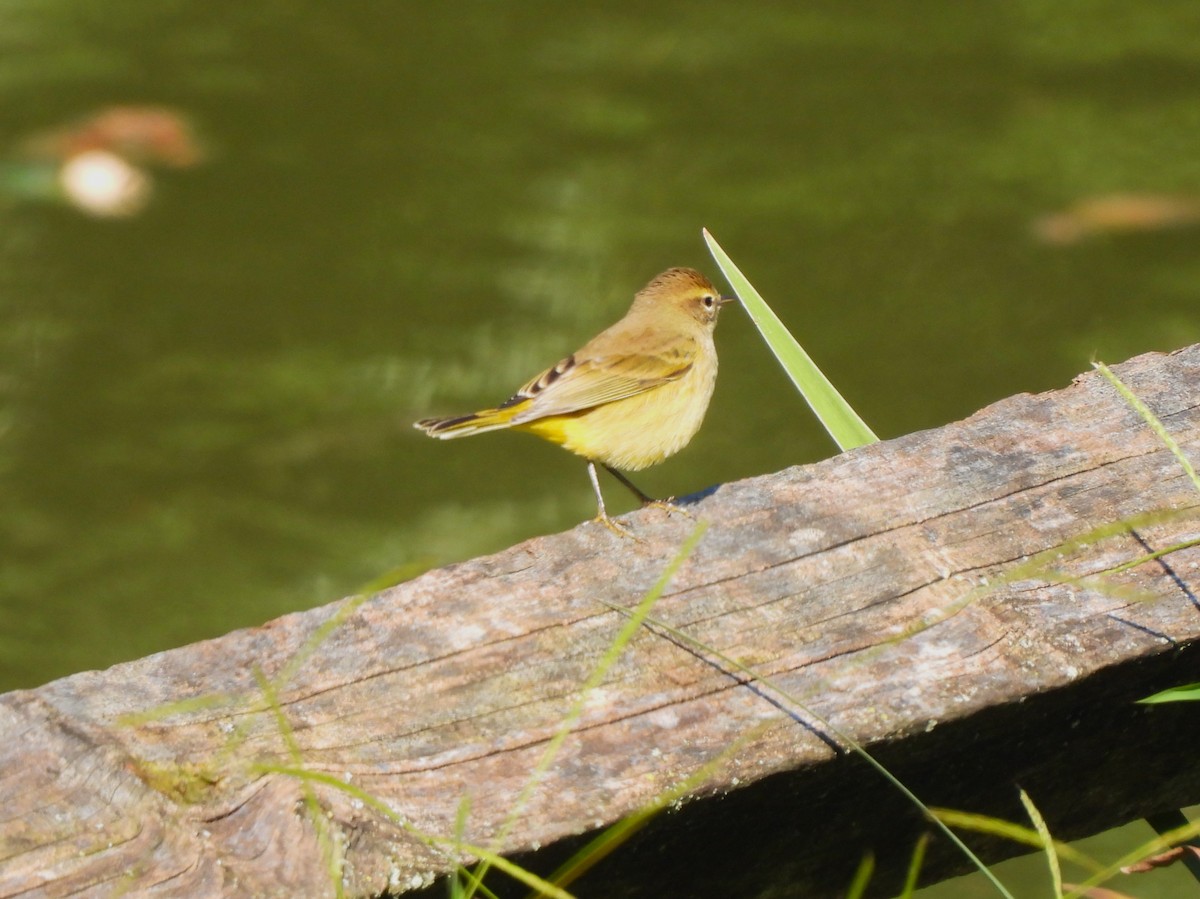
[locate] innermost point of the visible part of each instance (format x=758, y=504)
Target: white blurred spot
x=103, y=184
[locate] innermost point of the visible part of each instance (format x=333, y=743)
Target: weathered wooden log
x=953, y=599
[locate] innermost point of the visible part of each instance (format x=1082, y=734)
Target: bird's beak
x=726, y=300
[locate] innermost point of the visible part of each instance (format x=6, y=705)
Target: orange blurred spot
x=147, y=135
x=1117, y=214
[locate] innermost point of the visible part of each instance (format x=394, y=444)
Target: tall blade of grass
x=1151, y=419
x=457, y=888
x=1039, y=824
x=914, y=867
x=862, y=877
x=844, y=425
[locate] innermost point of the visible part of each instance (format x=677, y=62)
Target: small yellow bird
x=633, y=395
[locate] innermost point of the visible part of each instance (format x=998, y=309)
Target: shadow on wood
x=953, y=599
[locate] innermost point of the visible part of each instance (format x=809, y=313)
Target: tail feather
x=474, y=423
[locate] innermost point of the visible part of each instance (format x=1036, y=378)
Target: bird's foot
x=616, y=527
x=669, y=506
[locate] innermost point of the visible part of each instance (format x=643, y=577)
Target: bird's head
x=686, y=290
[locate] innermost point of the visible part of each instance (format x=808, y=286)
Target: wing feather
x=576, y=384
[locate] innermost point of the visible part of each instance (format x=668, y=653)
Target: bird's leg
x=668, y=504
x=643, y=498
x=601, y=515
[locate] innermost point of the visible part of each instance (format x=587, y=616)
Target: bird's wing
x=575, y=384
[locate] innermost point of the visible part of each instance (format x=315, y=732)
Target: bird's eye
x=709, y=300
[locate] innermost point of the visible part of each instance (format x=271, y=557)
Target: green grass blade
x=862, y=877
x=1018, y=833
x=914, y=867
x=1151, y=419
x=844, y=425
x=1039, y=824
x=1182, y=693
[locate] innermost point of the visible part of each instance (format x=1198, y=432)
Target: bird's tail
x=474, y=423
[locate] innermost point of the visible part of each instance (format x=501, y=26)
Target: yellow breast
x=638, y=431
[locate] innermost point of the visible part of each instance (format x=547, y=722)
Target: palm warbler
x=633, y=395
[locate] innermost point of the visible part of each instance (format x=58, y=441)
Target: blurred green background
x=408, y=209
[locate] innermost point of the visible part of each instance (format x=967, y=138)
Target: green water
x=408, y=209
